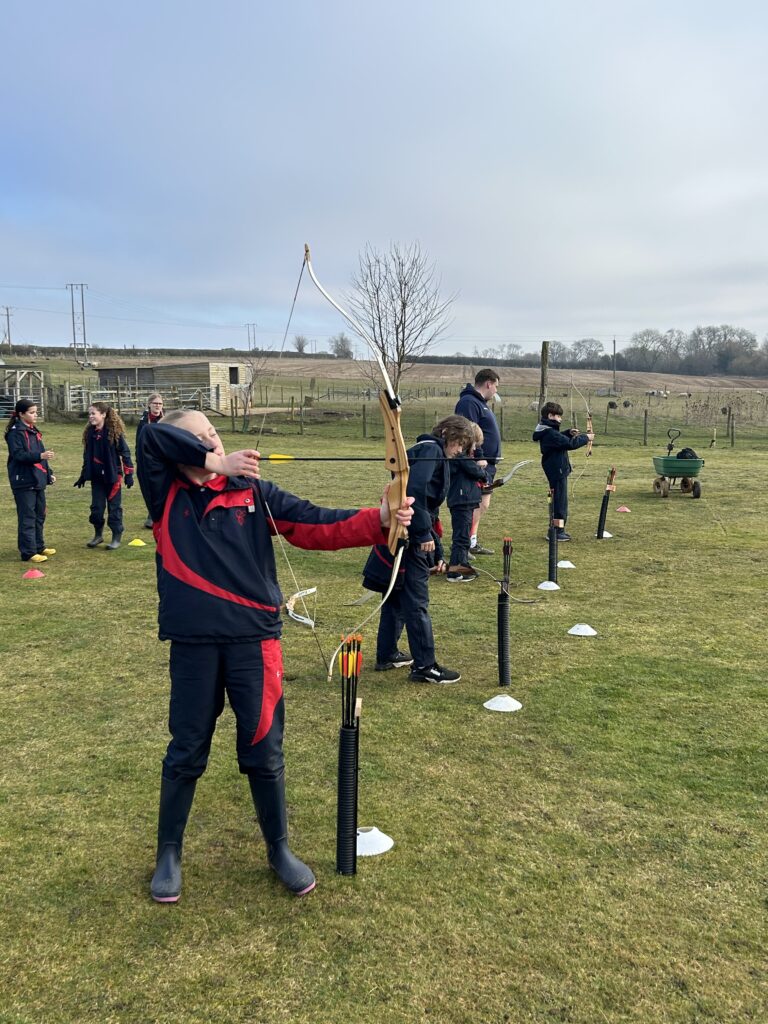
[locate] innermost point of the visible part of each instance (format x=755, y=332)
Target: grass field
x=600, y=856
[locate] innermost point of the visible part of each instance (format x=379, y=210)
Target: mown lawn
x=598, y=856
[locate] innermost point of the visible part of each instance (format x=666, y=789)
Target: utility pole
x=544, y=373
x=614, y=362
x=78, y=320
x=251, y=343
x=8, y=328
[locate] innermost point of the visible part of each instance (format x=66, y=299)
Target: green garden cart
x=684, y=467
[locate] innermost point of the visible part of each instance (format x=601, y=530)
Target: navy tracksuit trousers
x=30, y=508
x=408, y=605
x=461, y=532
x=250, y=674
x=560, y=499
x=100, y=500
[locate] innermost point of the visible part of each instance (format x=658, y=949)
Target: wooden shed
x=206, y=385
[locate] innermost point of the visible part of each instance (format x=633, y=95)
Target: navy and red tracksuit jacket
x=216, y=571
x=26, y=470
x=104, y=462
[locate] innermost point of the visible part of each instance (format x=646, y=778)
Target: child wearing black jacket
x=468, y=476
x=29, y=475
x=152, y=414
x=555, y=445
x=106, y=463
x=408, y=604
x=220, y=608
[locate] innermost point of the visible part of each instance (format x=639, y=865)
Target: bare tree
x=341, y=346
x=397, y=300
x=559, y=353
x=300, y=343
x=254, y=369
x=587, y=350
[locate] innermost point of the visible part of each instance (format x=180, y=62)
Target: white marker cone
x=606, y=535
x=623, y=508
x=548, y=585
x=371, y=842
x=565, y=564
x=503, y=702
x=582, y=629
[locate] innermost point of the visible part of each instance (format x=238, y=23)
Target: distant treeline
x=721, y=350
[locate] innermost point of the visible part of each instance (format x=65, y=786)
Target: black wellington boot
x=114, y=544
x=269, y=801
x=97, y=538
x=175, y=803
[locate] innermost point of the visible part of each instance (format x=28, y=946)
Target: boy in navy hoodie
x=220, y=608
x=408, y=604
x=555, y=445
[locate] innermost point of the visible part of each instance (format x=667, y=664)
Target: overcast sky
x=573, y=169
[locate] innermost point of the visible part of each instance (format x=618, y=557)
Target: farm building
x=206, y=385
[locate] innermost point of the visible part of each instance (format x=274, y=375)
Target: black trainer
x=461, y=574
x=478, y=549
x=434, y=674
x=398, y=660
x=563, y=536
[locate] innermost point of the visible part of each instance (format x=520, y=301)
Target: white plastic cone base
x=582, y=629
x=623, y=508
x=548, y=585
x=606, y=535
x=503, y=702
x=136, y=543
x=371, y=842
x=565, y=564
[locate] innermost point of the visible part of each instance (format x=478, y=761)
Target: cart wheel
x=696, y=489
x=686, y=485
x=657, y=485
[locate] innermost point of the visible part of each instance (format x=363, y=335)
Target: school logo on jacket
x=240, y=516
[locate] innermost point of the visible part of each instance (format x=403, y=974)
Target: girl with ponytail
x=29, y=474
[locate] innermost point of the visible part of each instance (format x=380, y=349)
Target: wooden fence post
x=365, y=421
x=645, y=428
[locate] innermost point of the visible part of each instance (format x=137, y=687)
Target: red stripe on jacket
x=173, y=565
x=364, y=527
